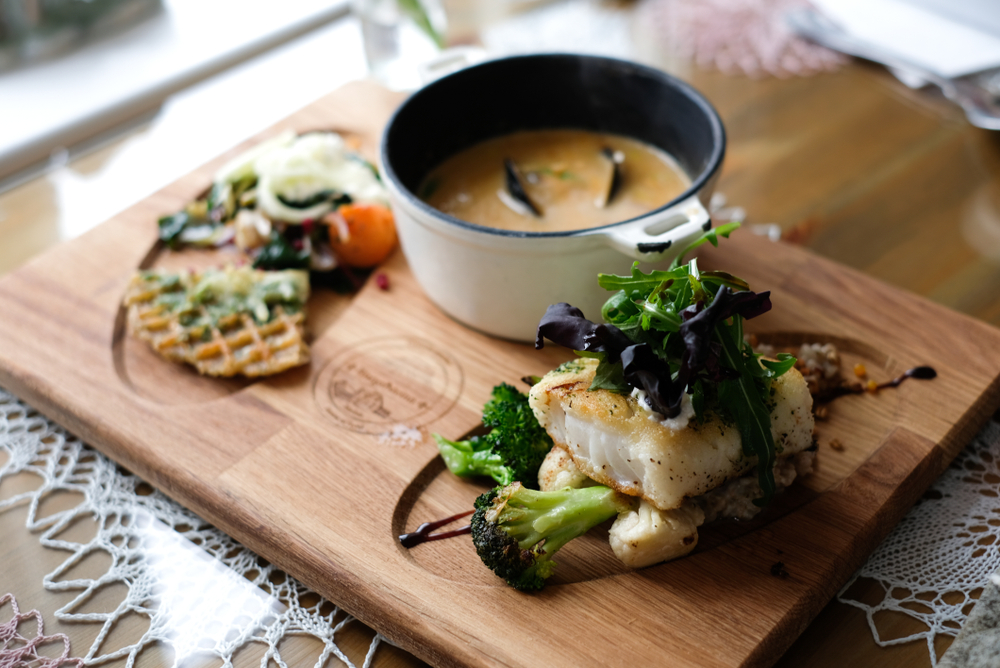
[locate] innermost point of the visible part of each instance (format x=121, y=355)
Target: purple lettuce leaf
x=566, y=326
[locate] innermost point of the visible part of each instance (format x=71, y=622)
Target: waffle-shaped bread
x=223, y=321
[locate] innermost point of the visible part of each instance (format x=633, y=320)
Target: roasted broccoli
x=517, y=530
x=472, y=457
x=511, y=452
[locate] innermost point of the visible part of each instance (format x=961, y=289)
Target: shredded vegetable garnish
x=283, y=202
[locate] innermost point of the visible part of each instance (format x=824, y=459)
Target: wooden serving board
x=320, y=468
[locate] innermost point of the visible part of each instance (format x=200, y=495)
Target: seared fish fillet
x=613, y=440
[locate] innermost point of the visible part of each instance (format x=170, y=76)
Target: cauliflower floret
x=559, y=472
x=647, y=535
x=639, y=537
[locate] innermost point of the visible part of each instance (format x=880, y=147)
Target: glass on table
x=399, y=36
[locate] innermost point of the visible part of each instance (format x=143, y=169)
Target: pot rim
x=714, y=164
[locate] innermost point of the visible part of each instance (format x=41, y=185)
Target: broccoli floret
x=513, y=449
x=517, y=530
x=473, y=457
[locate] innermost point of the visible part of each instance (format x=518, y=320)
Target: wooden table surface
x=851, y=164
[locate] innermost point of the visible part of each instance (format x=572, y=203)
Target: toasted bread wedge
x=223, y=322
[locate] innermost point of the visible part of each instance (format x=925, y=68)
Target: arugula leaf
x=741, y=398
x=711, y=236
x=779, y=367
x=723, y=278
x=610, y=376
x=638, y=280
x=662, y=315
x=619, y=309
x=698, y=400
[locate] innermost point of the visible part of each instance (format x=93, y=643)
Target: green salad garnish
x=680, y=332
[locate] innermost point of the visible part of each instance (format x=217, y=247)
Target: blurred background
x=102, y=102
x=889, y=164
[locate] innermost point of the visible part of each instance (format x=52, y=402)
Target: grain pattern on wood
x=320, y=468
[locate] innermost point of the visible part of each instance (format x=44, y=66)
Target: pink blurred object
x=19, y=652
x=741, y=37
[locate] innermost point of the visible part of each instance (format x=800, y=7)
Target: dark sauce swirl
x=423, y=532
x=918, y=372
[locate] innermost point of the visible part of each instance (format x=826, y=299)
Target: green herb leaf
x=698, y=400
x=742, y=400
x=724, y=278
x=418, y=14
x=172, y=226
x=279, y=254
x=221, y=203
x=644, y=283
x=610, y=377
x=619, y=309
x=779, y=367
x=711, y=236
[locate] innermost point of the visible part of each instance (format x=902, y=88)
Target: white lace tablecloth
x=937, y=561
x=931, y=567
x=204, y=593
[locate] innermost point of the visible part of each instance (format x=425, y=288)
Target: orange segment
x=371, y=234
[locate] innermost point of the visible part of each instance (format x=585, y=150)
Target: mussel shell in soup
x=554, y=181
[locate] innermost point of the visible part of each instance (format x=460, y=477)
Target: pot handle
x=664, y=235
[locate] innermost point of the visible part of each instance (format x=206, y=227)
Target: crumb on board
x=400, y=436
x=860, y=371
x=819, y=363
x=835, y=444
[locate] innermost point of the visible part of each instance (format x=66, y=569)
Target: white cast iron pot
x=498, y=281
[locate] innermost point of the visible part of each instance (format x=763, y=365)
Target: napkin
x=952, y=38
x=978, y=643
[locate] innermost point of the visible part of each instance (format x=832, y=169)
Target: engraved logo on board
x=379, y=385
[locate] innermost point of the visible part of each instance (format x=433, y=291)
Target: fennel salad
x=308, y=201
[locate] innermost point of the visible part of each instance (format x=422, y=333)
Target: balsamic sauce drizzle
x=423, y=532
x=918, y=372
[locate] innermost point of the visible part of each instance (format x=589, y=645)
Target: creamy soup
x=554, y=180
